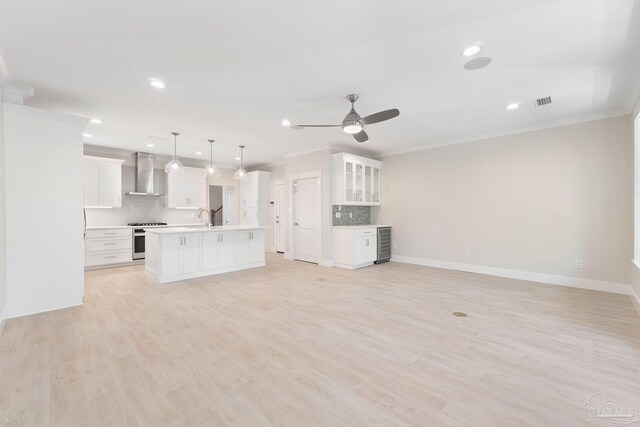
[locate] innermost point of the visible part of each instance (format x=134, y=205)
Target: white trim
x=3, y=319
x=636, y=300
x=47, y=310
x=574, y=282
x=44, y=114
x=274, y=229
x=490, y=135
x=325, y=263
x=304, y=175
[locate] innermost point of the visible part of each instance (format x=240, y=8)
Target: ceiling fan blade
x=381, y=116
x=361, y=136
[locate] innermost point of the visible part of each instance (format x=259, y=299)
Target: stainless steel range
x=138, y=236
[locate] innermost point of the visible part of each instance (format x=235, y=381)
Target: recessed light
x=198, y=152
x=286, y=122
x=238, y=158
x=471, y=50
x=158, y=84
x=87, y=135
x=150, y=145
x=97, y=121
x=512, y=106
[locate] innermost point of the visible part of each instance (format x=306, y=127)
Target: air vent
x=543, y=101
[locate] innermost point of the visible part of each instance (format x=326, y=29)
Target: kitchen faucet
x=208, y=212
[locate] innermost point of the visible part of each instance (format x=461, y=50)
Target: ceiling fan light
x=352, y=127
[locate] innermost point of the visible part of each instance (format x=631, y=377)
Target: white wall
x=533, y=202
x=317, y=161
x=44, y=222
x=3, y=282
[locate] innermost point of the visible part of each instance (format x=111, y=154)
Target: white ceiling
x=235, y=69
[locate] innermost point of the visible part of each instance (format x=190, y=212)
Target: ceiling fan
x=354, y=124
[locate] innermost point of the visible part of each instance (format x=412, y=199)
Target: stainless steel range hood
x=144, y=176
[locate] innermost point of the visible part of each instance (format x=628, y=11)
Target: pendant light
x=174, y=165
x=211, y=169
x=241, y=174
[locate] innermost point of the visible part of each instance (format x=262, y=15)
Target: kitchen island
x=179, y=253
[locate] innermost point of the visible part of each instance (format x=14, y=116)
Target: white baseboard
x=574, y=282
x=635, y=297
x=325, y=263
x=3, y=320
x=288, y=255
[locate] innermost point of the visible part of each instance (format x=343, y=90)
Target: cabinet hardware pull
x=112, y=256
x=110, y=243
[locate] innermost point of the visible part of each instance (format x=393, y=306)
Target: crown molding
x=490, y=135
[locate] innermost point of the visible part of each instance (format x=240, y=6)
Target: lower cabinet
x=218, y=250
x=181, y=253
x=249, y=246
x=104, y=247
x=179, y=256
x=354, y=247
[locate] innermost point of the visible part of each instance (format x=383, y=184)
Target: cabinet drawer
x=110, y=257
x=365, y=232
x=118, y=243
x=113, y=232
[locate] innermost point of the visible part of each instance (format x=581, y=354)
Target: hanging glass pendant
x=211, y=169
x=241, y=174
x=174, y=165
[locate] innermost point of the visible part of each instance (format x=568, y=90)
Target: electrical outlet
x=578, y=263
x=466, y=252
x=338, y=215
x=395, y=245
x=350, y=214
x=339, y=208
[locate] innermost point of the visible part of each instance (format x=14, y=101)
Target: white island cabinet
x=181, y=253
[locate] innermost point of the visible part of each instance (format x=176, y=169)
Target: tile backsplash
x=361, y=215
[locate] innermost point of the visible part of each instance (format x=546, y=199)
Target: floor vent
x=459, y=314
x=543, y=101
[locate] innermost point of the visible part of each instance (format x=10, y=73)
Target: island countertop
x=202, y=229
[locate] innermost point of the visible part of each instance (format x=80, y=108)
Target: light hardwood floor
x=292, y=344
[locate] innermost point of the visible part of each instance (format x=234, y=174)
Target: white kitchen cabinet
x=354, y=247
x=356, y=180
x=186, y=190
x=218, y=250
x=181, y=253
x=102, y=182
x=178, y=253
x=249, y=246
x=255, y=199
x=105, y=247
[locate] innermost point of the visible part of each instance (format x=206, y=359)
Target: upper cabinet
x=255, y=197
x=186, y=190
x=102, y=182
x=356, y=180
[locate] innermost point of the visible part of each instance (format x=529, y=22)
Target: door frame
x=224, y=208
x=274, y=241
x=290, y=254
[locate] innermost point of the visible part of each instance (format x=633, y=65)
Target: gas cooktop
x=142, y=224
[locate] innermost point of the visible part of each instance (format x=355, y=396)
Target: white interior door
x=281, y=216
x=306, y=219
x=229, y=206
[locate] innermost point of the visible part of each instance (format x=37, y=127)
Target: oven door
x=138, y=244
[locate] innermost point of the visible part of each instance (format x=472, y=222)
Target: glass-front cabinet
x=356, y=180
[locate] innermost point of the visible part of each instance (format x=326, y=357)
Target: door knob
x=295, y=223
x=277, y=222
